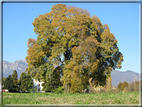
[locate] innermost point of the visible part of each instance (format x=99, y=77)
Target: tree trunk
x=68, y=88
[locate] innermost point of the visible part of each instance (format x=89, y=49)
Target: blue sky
x=122, y=19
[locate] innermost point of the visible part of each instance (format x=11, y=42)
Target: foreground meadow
x=47, y=98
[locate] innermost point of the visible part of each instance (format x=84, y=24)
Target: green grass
x=47, y=98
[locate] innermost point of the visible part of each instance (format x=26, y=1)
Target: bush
x=59, y=90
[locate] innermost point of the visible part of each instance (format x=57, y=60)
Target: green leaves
x=25, y=82
x=52, y=81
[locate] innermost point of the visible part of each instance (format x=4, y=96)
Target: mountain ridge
x=9, y=67
x=119, y=76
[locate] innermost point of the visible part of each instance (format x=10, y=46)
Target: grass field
x=47, y=98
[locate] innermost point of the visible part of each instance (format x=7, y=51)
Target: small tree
x=137, y=85
x=52, y=82
x=119, y=86
x=23, y=82
x=8, y=84
x=15, y=80
x=131, y=87
x=122, y=86
x=29, y=82
x=134, y=86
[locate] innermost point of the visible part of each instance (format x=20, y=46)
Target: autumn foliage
x=122, y=86
x=134, y=86
x=130, y=87
x=80, y=45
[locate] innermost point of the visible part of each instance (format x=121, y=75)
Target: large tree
x=81, y=46
x=15, y=80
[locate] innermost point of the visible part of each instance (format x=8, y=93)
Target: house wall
x=37, y=85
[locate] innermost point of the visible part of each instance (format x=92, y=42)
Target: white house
x=37, y=85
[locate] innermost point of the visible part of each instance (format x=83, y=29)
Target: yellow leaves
x=76, y=85
x=76, y=69
x=69, y=66
x=92, y=41
x=57, y=50
x=67, y=75
x=107, y=36
x=106, y=26
x=119, y=66
x=78, y=10
x=31, y=42
x=58, y=6
x=94, y=66
x=96, y=20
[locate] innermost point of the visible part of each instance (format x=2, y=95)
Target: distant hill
x=21, y=65
x=118, y=76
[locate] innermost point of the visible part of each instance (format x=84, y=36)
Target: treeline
x=122, y=87
x=134, y=86
x=55, y=85
x=25, y=83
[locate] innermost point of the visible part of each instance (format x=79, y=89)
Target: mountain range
x=117, y=76
x=9, y=67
